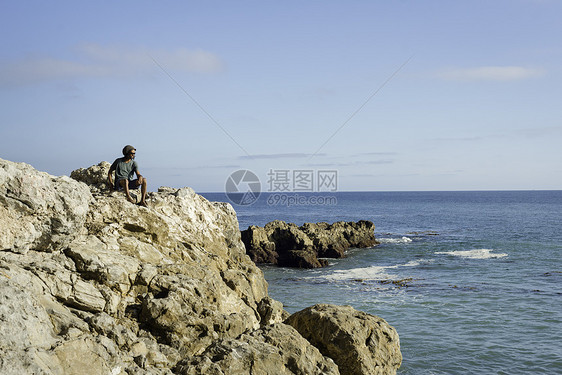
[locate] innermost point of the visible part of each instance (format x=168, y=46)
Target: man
x=125, y=169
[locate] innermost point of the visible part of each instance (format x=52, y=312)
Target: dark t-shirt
x=124, y=170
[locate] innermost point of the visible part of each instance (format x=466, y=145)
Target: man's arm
x=136, y=170
x=139, y=176
x=110, y=176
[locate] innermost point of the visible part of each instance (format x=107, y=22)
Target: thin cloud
x=180, y=59
x=294, y=155
x=350, y=164
x=491, y=73
x=542, y=131
x=458, y=139
x=378, y=175
x=375, y=154
x=200, y=167
x=97, y=61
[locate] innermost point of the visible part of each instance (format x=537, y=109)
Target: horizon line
x=386, y=191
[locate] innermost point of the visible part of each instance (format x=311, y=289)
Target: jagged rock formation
x=288, y=245
x=92, y=284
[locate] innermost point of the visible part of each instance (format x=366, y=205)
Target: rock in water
x=92, y=284
x=359, y=343
x=287, y=245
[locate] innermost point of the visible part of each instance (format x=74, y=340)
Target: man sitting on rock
x=125, y=169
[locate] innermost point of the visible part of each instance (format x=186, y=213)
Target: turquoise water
x=480, y=274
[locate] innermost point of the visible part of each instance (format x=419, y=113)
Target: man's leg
x=125, y=185
x=143, y=184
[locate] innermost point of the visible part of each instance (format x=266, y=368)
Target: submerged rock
x=288, y=245
x=92, y=284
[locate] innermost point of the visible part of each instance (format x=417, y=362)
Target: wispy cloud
x=375, y=154
x=350, y=164
x=541, y=131
x=302, y=155
x=200, y=167
x=378, y=175
x=491, y=73
x=294, y=155
x=94, y=60
x=458, y=139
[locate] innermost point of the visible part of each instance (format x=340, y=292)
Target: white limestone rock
x=39, y=211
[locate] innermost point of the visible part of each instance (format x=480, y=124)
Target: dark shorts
x=134, y=184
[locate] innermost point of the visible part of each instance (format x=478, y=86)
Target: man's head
x=129, y=152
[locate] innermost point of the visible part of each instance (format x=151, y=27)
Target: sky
x=385, y=95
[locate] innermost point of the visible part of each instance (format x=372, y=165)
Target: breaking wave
x=474, y=254
x=395, y=240
x=369, y=273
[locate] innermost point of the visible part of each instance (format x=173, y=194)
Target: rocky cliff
x=92, y=284
x=288, y=245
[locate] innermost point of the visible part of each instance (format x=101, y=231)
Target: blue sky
x=393, y=95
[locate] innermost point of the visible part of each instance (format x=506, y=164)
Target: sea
x=471, y=280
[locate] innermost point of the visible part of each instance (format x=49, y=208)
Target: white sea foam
x=369, y=273
x=412, y=263
x=395, y=240
x=364, y=273
x=474, y=254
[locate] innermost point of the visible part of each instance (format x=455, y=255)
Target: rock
x=189, y=311
x=85, y=296
x=95, y=261
x=273, y=350
x=56, y=275
x=258, y=245
x=301, y=259
x=332, y=240
x=359, y=343
x=90, y=283
x=19, y=335
x=95, y=177
x=39, y=211
x=84, y=355
x=287, y=245
x=271, y=311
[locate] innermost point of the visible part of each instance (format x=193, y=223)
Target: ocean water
x=472, y=281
